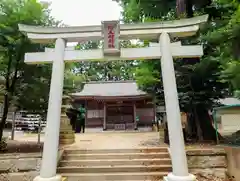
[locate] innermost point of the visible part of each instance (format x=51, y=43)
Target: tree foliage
x=23, y=88
x=103, y=70
x=200, y=82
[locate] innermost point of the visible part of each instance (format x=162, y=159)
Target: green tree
x=226, y=40
x=104, y=70
x=139, y=10
x=32, y=88
x=200, y=81
x=13, y=46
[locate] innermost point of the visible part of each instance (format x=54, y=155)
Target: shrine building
x=115, y=105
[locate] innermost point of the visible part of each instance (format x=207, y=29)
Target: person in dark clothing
x=72, y=115
x=82, y=125
x=77, y=126
x=80, y=122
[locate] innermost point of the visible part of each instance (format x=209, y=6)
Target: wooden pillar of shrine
x=104, y=116
x=86, y=113
x=66, y=135
x=135, y=116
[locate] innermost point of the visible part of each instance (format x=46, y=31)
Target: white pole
x=13, y=124
x=177, y=147
x=51, y=142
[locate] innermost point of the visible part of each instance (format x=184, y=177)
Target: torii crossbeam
x=143, y=53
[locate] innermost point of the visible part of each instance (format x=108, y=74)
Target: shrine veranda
x=111, y=32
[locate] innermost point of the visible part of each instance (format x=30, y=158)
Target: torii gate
x=111, y=32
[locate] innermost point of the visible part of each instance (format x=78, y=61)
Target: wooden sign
x=111, y=32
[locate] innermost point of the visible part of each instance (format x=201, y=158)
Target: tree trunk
x=9, y=88
x=191, y=126
x=4, y=116
x=189, y=8
x=198, y=126
x=209, y=133
x=181, y=8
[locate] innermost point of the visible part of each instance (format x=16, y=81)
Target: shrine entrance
x=111, y=32
x=120, y=117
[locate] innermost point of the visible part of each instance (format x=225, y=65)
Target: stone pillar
x=177, y=147
x=51, y=139
x=135, y=116
x=67, y=135
x=104, y=116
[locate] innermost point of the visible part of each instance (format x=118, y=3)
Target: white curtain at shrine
x=95, y=113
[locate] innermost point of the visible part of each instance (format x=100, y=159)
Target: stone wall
x=207, y=162
x=19, y=167
x=233, y=155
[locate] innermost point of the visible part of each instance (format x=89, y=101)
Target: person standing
x=72, y=115
x=81, y=114
x=78, y=123
x=137, y=122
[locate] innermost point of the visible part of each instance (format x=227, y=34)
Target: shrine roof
x=110, y=89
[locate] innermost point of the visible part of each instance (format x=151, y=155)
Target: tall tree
x=14, y=44
x=200, y=83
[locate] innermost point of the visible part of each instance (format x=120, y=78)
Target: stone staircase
x=115, y=164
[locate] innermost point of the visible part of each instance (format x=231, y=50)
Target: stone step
x=133, y=150
x=114, y=169
x=65, y=179
x=127, y=176
x=114, y=162
x=66, y=141
x=114, y=156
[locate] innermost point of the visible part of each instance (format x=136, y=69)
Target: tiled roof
x=110, y=88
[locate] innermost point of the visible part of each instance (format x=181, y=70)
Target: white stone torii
x=164, y=50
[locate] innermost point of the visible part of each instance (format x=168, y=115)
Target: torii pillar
x=177, y=146
x=51, y=143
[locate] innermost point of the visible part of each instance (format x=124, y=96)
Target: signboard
x=111, y=32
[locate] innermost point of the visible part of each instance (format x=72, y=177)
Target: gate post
x=177, y=147
x=51, y=142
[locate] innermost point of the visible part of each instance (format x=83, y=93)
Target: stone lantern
x=66, y=135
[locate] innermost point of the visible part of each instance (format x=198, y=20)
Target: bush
x=3, y=145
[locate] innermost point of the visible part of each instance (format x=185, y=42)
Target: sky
x=85, y=12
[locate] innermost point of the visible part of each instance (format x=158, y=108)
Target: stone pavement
x=107, y=139
x=116, y=140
